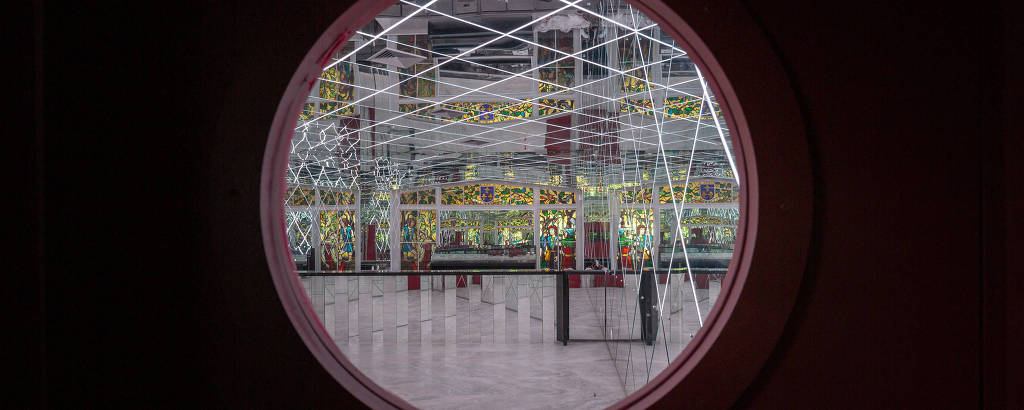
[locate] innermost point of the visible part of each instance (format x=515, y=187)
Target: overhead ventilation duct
x=394, y=57
x=414, y=25
x=563, y=23
x=632, y=20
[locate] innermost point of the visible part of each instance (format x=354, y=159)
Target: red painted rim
x=760, y=288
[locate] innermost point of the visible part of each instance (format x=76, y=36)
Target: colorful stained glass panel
x=416, y=256
x=474, y=195
x=550, y=106
x=426, y=197
x=301, y=197
x=426, y=84
x=635, y=226
x=336, y=83
x=418, y=226
x=636, y=196
x=337, y=197
x=308, y=112
x=336, y=239
x=643, y=106
x=688, y=107
x=701, y=192
x=554, y=197
x=557, y=224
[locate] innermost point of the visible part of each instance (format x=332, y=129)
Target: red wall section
x=556, y=139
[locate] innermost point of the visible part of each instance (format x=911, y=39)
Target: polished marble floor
x=481, y=376
x=492, y=345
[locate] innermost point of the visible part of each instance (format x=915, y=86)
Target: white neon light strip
x=725, y=147
x=502, y=35
x=458, y=56
x=575, y=110
x=514, y=75
x=576, y=138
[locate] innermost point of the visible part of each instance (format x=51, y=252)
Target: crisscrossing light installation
x=586, y=112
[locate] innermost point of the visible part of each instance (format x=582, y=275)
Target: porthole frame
x=773, y=162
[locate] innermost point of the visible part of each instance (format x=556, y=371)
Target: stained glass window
x=472, y=196
x=701, y=192
x=705, y=229
x=337, y=197
x=558, y=238
x=419, y=234
x=420, y=110
x=336, y=88
x=513, y=195
x=487, y=194
x=688, y=107
x=703, y=220
x=487, y=113
x=329, y=83
x=486, y=228
x=561, y=74
x=560, y=223
x=336, y=240
x=635, y=227
x=515, y=219
x=515, y=236
x=418, y=226
x=668, y=226
x=636, y=196
x=424, y=86
x=550, y=106
x=308, y=111
x=425, y=197
x=416, y=256
x=552, y=197
x=634, y=54
x=301, y=197
x=452, y=196
x=407, y=84
x=472, y=112
x=632, y=105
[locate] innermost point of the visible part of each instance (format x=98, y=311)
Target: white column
x=656, y=229
x=536, y=76
x=612, y=50
x=314, y=213
x=613, y=230
x=437, y=218
x=581, y=231
x=578, y=67
x=394, y=232
x=536, y=226
x=357, y=235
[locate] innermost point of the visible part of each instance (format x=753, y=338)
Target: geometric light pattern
x=608, y=105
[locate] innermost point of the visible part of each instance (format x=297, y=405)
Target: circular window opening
x=518, y=204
